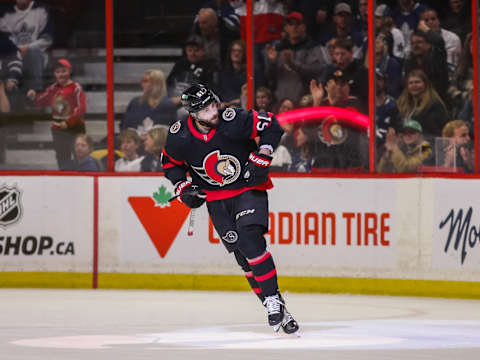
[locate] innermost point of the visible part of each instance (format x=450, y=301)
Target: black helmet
x=198, y=97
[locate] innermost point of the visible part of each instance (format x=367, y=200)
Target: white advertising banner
x=456, y=242
x=313, y=222
x=46, y=223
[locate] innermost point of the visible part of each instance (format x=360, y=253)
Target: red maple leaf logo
x=162, y=220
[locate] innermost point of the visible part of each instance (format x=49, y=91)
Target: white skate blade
x=294, y=335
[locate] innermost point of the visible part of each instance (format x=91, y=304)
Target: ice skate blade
x=294, y=335
x=277, y=327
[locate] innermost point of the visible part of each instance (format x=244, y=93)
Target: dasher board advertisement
x=46, y=223
x=320, y=222
x=456, y=241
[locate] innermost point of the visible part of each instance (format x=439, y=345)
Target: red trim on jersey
x=168, y=166
x=213, y=195
x=202, y=136
x=259, y=259
x=267, y=276
x=254, y=126
x=176, y=162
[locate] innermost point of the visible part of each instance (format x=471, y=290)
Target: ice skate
x=275, y=311
x=288, y=324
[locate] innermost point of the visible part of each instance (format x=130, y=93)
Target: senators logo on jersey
x=218, y=169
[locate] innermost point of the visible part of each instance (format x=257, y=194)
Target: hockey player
x=229, y=172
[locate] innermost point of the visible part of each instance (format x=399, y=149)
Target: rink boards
x=372, y=229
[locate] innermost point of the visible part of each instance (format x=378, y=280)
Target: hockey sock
x=264, y=273
x=242, y=261
x=254, y=285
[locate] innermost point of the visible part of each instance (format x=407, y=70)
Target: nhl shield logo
x=10, y=209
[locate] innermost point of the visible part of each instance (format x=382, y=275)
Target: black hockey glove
x=190, y=194
x=256, y=169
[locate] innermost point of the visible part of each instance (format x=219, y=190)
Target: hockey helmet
x=198, y=97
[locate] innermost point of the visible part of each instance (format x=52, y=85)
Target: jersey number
x=264, y=121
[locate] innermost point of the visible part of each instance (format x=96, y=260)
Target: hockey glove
x=190, y=194
x=256, y=169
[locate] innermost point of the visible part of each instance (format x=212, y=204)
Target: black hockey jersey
x=216, y=160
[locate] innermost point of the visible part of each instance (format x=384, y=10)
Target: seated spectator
x=264, y=100
x=428, y=54
x=406, y=16
x=4, y=108
x=353, y=70
x=67, y=101
x=4, y=102
x=461, y=86
x=335, y=91
x=306, y=101
x=284, y=105
x=192, y=68
x=316, y=15
x=11, y=64
x=217, y=32
x=302, y=156
x=29, y=24
x=453, y=45
x=342, y=19
x=294, y=62
x=339, y=146
x=466, y=112
x=129, y=143
x=153, y=144
x=420, y=101
x=234, y=74
x=458, y=18
x=389, y=66
x=385, y=28
x=225, y=12
x=330, y=51
x=460, y=152
x=282, y=158
x=82, y=161
x=407, y=152
x=386, y=111
x=360, y=20
x=152, y=108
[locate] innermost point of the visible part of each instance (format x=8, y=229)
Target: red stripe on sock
x=266, y=276
x=257, y=290
x=259, y=259
x=249, y=274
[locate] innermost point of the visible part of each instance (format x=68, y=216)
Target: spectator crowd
x=306, y=54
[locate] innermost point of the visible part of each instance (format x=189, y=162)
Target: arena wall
x=380, y=229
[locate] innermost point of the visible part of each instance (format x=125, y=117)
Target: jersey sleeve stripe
x=176, y=162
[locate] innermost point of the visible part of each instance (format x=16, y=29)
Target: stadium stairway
x=29, y=143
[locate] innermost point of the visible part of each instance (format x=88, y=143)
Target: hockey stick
x=191, y=222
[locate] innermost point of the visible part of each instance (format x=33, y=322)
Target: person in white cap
x=392, y=35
